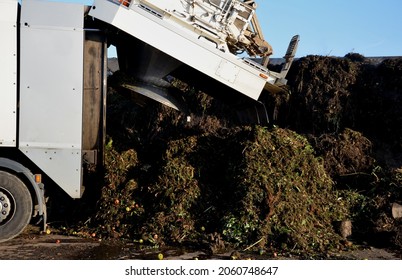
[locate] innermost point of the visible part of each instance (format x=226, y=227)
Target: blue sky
x=335, y=28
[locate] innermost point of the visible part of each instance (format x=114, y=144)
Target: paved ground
x=34, y=246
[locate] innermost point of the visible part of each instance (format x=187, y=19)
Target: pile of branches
x=217, y=184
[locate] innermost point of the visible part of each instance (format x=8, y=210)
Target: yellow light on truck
x=38, y=178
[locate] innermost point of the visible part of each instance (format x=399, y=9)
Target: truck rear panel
x=51, y=90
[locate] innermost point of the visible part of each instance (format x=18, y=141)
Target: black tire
x=15, y=206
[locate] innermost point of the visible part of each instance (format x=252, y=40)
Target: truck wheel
x=15, y=206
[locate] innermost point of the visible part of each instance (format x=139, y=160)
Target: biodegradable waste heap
x=250, y=185
x=333, y=155
x=211, y=182
x=350, y=110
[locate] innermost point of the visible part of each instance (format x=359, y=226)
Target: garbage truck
x=53, y=81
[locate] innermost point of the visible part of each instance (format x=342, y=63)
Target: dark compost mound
x=244, y=186
x=351, y=110
x=334, y=155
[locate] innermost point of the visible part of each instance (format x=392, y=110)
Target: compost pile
x=333, y=154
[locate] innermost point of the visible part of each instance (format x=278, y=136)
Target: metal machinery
x=53, y=80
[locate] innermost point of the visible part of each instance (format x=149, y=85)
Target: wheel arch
x=28, y=178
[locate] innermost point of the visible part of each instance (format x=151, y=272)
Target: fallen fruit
x=160, y=256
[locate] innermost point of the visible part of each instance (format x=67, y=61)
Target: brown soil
x=32, y=245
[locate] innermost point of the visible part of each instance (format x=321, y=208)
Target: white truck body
x=188, y=46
